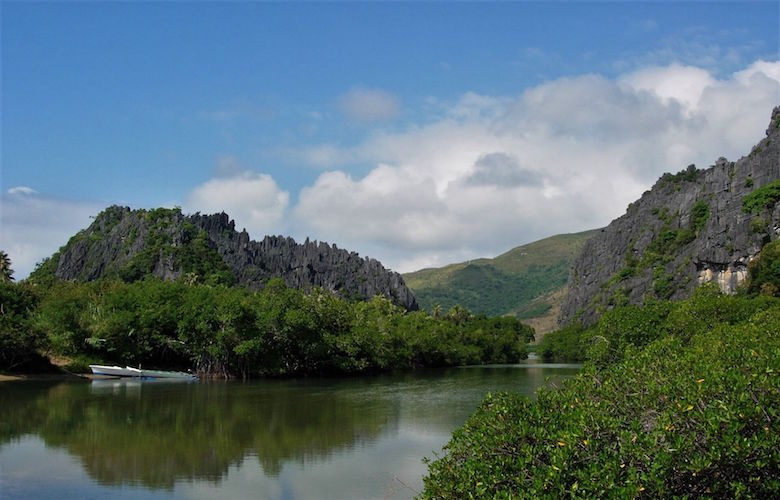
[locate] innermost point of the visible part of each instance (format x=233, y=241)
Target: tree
x=6, y=273
x=764, y=272
x=459, y=314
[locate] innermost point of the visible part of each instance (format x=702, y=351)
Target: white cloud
x=485, y=174
x=682, y=83
x=23, y=190
x=368, y=105
x=762, y=69
x=564, y=156
x=253, y=200
x=34, y=226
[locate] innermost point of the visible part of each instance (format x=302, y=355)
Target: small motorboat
x=129, y=371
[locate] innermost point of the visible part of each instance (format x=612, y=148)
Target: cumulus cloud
x=502, y=170
x=567, y=155
x=368, y=105
x=685, y=84
x=252, y=199
x=34, y=226
x=484, y=174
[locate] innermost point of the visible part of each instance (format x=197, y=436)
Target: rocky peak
x=131, y=244
x=690, y=228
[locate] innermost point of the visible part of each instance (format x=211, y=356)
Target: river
x=277, y=439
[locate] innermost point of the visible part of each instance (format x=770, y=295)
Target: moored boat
x=129, y=371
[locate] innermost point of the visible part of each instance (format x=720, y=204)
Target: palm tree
x=6, y=273
x=459, y=314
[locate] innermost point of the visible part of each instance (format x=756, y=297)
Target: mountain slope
x=132, y=244
x=520, y=282
x=692, y=227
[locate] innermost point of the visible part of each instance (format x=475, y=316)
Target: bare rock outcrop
x=167, y=244
x=690, y=228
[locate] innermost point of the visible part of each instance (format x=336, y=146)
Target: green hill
x=521, y=282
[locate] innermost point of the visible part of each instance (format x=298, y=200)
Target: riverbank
x=40, y=376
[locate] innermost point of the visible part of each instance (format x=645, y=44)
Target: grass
x=512, y=283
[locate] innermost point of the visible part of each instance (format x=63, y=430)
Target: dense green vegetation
x=690, y=174
x=486, y=289
x=696, y=411
x=6, y=273
x=513, y=283
x=20, y=338
x=765, y=271
x=233, y=331
x=675, y=399
x=764, y=197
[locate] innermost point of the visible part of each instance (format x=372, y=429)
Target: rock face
x=690, y=228
x=170, y=245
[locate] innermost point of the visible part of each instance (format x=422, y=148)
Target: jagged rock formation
x=690, y=228
x=165, y=243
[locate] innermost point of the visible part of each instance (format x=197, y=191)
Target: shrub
x=700, y=213
x=764, y=272
x=567, y=344
x=678, y=418
x=19, y=336
x=758, y=225
x=762, y=198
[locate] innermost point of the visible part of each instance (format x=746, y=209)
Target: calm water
x=312, y=438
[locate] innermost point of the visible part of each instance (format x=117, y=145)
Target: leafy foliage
x=6, y=273
x=690, y=174
x=19, y=339
x=279, y=331
x=566, y=344
x=700, y=213
x=764, y=272
x=764, y=197
x=695, y=412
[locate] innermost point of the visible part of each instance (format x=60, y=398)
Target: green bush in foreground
x=695, y=416
x=19, y=338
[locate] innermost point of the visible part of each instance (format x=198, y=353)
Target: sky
x=416, y=133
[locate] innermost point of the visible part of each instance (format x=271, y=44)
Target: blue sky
x=416, y=133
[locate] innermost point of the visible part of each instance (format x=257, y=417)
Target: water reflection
x=157, y=434
x=162, y=435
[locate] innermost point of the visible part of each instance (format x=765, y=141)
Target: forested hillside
x=521, y=282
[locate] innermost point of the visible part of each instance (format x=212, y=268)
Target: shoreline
x=7, y=377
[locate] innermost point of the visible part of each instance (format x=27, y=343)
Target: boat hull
x=128, y=371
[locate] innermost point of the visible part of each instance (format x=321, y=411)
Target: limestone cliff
x=131, y=244
x=690, y=228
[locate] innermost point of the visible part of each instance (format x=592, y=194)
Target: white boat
x=129, y=371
